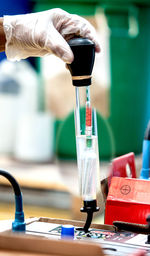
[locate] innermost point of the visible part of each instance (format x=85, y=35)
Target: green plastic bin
x=84, y=7
x=129, y=23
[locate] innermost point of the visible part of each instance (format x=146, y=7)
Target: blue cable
x=145, y=171
x=19, y=222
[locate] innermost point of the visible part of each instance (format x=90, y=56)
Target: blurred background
x=37, y=99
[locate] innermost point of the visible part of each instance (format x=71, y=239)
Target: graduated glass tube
x=87, y=150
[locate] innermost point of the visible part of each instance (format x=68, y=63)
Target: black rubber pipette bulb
x=82, y=65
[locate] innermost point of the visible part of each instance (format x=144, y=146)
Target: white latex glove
x=39, y=34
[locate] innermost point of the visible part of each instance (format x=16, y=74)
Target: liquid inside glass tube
x=88, y=167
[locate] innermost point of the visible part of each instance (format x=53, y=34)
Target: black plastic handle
x=84, y=56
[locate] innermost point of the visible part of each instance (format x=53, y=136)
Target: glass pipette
x=81, y=69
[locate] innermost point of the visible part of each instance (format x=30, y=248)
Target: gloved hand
x=42, y=33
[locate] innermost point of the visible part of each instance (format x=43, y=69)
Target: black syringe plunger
x=82, y=65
